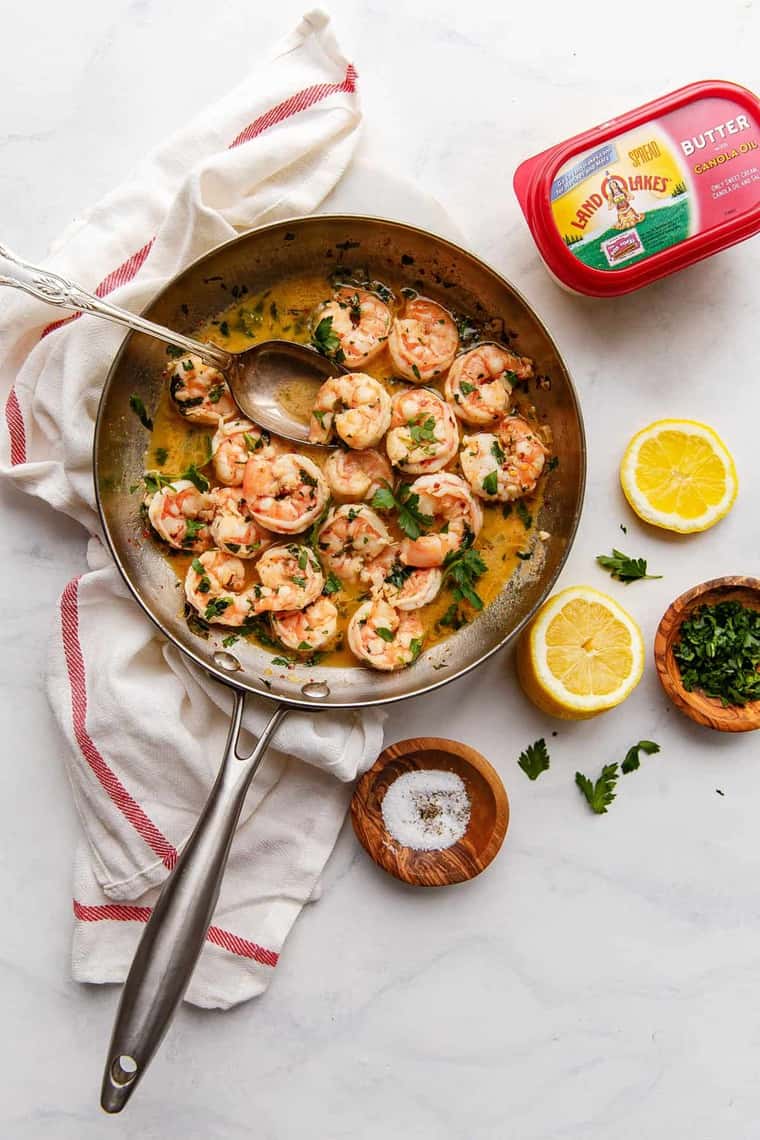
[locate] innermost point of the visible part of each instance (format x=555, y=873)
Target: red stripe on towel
x=301, y=101
x=115, y=279
x=16, y=428
x=113, y=912
x=108, y=779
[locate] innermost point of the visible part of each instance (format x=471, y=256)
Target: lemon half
x=582, y=654
x=679, y=475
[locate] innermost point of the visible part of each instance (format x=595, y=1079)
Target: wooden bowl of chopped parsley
x=707, y=653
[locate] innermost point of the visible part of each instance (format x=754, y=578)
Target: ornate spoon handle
x=56, y=290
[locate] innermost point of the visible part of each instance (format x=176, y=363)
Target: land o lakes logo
x=618, y=191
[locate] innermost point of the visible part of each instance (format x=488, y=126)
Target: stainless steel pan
x=174, y=936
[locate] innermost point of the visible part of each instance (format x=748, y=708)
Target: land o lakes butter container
x=647, y=193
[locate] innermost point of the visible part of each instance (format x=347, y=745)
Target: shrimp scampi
x=291, y=579
x=285, y=493
x=478, y=384
x=506, y=464
x=182, y=515
x=360, y=320
x=385, y=637
x=402, y=586
x=232, y=446
x=356, y=475
x=351, y=536
x=457, y=517
x=423, y=342
x=308, y=629
x=234, y=529
x=423, y=435
x=356, y=406
x=200, y=392
x=216, y=586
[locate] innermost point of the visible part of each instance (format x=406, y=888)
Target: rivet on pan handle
x=176, y=931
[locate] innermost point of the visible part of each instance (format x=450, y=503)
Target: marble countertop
x=598, y=982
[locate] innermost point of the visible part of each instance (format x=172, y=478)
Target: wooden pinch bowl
x=487, y=826
x=700, y=708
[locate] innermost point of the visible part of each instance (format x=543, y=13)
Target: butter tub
x=648, y=193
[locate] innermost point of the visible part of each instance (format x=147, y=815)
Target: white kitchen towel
x=146, y=729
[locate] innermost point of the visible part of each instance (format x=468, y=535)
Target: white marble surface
x=600, y=981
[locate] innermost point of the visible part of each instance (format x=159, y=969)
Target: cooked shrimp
x=357, y=406
x=291, y=579
x=200, y=391
x=423, y=433
x=285, y=493
x=456, y=517
x=233, y=445
x=478, y=383
x=505, y=464
x=384, y=637
x=215, y=586
x=361, y=322
x=181, y=515
x=351, y=536
x=356, y=475
x=424, y=341
x=234, y=529
x=308, y=629
x=405, y=587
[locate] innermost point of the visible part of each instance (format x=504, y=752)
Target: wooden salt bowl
x=704, y=710
x=489, y=813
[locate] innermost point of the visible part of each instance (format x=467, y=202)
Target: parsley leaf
x=632, y=762
x=161, y=455
x=285, y=662
x=386, y=634
x=623, y=568
x=422, y=430
x=463, y=567
x=718, y=651
x=491, y=483
x=526, y=518
x=326, y=341
x=194, y=476
x=138, y=407
x=216, y=607
x=332, y=584
x=600, y=795
x=410, y=518
x=535, y=759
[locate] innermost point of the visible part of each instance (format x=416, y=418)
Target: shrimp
x=478, y=382
x=361, y=322
x=357, y=406
x=405, y=587
x=181, y=515
x=423, y=433
x=356, y=475
x=456, y=515
x=285, y=493
x=234, y=529
x=200, y=391
x=215, y=585
x=308, y=629
x=350, y=536
x=385, y=637
x=505, y=465
x=424, y=341
x=233, y=444
x=291, y=579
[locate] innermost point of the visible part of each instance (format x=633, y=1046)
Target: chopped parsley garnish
x=192, y=529
x=215, y=394
x=399, y=574
x=553, y=463
x=303, y=558
x=410, y=518
x=599, y=795
x=497, y=451
x=466, y=388
x=422, y=430
x=491, y=483
x=251, y=443
x=526, y=518
x=623, y=568
x=632, y=761
x=523, y=555
x=161, y=455
x=463, y=567
x=138, y=407
x=416, y=372
x=452, y=618
x=188, y=366
x=154, y=481
x=535, y=759
x=230, y=640
x=216, y=607
x=718, y=651
x=415, y=647
x=309, y=480
x=326, y=341
x=224, y=328
x=332, y=584
x=198, y=566
x=174, y=352
x=284, y=662
x=319, y=417
x=384, y=633
x=195, y=476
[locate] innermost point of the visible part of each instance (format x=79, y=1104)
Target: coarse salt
x=427, y=810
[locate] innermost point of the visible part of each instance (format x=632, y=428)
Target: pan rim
x=303, y=702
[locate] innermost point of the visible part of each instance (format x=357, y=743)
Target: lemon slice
x=679, y=475
x=582, y=654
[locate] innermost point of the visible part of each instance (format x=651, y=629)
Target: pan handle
x=56, y=290
x=176, y=931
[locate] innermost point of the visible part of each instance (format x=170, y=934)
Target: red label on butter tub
x=685, y=177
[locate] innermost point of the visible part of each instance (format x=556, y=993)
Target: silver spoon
x=258, y=377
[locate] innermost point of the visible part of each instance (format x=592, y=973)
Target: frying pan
x=174, y=936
